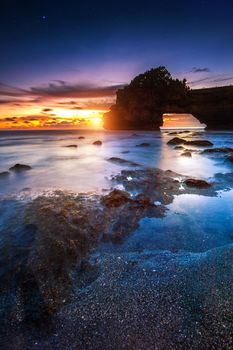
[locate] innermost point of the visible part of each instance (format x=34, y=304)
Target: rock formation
x=142, y=103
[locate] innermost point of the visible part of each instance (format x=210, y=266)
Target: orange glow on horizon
x=53, y=118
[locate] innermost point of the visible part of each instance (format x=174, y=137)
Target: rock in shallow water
x=179, y=141
x=144, y=144
x=72, y=146
x=176, y=141
x=4, y=174
x=97, y=143
x=218, y=150
x=20, y=167
x=186, y=154
x=121, y=161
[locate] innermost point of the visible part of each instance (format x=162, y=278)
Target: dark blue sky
x=108, y=42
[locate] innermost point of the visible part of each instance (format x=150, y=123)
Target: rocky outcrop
x=20, y=167
x=142, y=103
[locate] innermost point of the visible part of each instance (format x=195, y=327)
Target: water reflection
x=87, y=168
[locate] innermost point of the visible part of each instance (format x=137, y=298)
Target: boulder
x=20, y=167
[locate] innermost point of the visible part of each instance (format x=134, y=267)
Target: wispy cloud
x=200, y=70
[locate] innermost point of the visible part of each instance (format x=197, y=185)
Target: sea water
x=192, y=223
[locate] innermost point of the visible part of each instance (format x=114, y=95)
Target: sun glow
x=53, y=118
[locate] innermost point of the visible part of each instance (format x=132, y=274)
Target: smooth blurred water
x=86, y=168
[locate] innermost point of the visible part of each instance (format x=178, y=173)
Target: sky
x=62, y=62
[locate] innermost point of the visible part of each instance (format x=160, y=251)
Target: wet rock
x=176, y=141
x=218, y=150
x=116, y=198
x=97, y=143
x=81, y=137
x=197, y=183
x=20, y=167
x=187, y=154
x=144, y=144
x=179, y=141
x=143, y=200
x=67, y=229
x=179, y=147
x=201, y=143
x=4, y=174
x=72, y=146
x=121, y=161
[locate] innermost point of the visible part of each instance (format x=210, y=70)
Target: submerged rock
x=197, y=183
x=218, y=150
x=97, y=143
x=201, y=143
x=176, y=141
x=121, y=161
x=179, y=141
x=187, y=154
x=4, y=174
x=144, y=144
x=72, y=146
x=20, y=167
x=179, y=147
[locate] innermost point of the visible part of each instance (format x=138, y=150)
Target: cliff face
x=142, y=103
x=213, y=106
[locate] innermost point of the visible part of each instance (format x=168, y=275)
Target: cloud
x=200, y=70
x=59, y=89
x=198, y=81
x=61, y=82
x=76, y=90
x=222, y=79
x=8, y=90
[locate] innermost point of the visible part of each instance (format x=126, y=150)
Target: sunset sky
x=63, y=61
